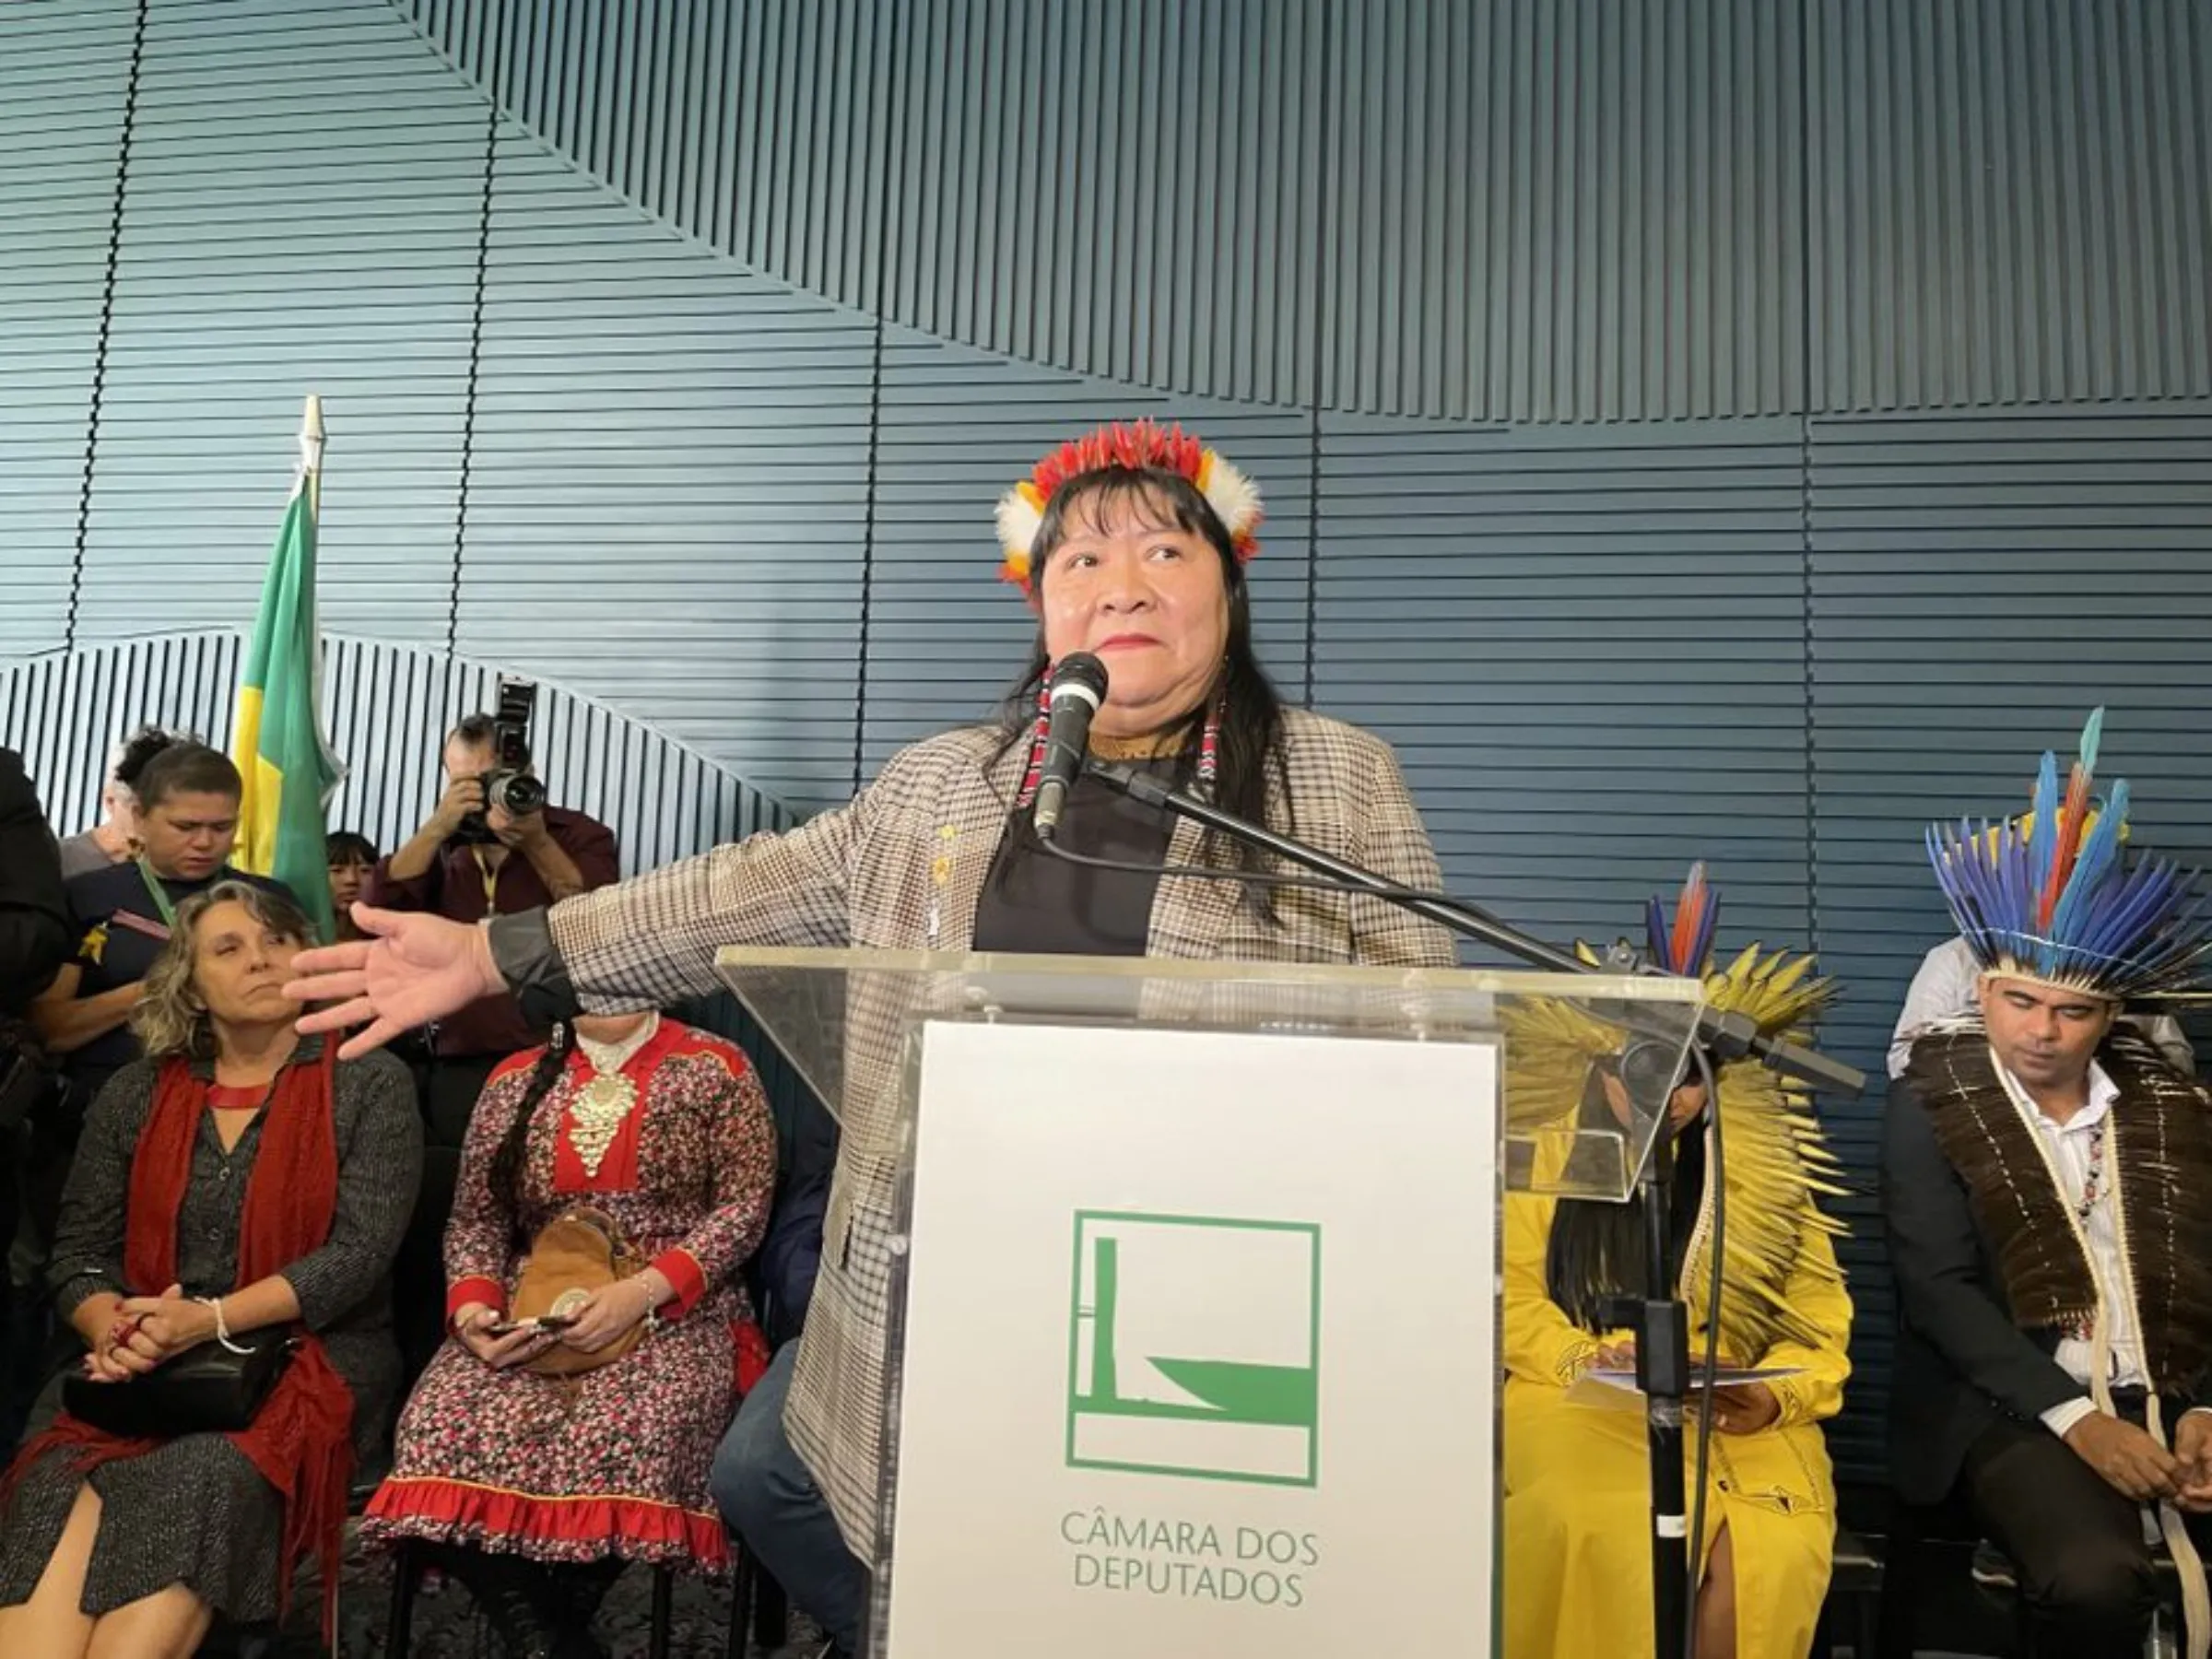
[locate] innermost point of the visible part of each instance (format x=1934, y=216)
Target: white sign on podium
x=1186, y=1276
x=1200, y=1345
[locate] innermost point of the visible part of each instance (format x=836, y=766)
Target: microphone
x=1079, y=688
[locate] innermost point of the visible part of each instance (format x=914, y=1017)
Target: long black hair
x=505, y=1177
x=1251, y=712
x=1599, y=1248
x=348, y=847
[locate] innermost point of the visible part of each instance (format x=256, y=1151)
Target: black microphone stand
x=1658, y=1318
x=1660, y=1324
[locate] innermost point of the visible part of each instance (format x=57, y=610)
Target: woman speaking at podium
x=1129, y=544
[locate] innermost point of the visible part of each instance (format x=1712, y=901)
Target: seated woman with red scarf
x=237, y=1179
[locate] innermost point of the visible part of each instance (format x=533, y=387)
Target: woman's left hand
x=166, y=1324
x=1744, y=1409
x=613, y=1310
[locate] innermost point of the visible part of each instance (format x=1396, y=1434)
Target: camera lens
x=516, y=794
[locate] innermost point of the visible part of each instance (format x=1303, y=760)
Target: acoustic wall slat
x=386, y=709
x=911, y=157
x=2009, y=202
x=1484, y=209
x=305, y=191
x=65, y=68
x=1494, y=210
x=1565, y=211
x=947, y=640
x=1589, y=648
x=668, y=481
x=1125, y=172
x=66, y=713
x=762, y=127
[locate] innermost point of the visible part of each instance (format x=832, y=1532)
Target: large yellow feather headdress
x=1777, y=1164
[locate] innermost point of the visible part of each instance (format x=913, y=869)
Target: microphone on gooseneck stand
x=1079, y=688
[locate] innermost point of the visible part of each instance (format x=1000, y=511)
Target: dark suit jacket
x=34, y=922
x=1962, y=1361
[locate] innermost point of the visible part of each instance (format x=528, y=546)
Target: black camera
x=508, y=785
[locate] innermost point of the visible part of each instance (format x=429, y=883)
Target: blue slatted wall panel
x=1546, y=210
x=1589, y=646
x=667, y=489
x=1485, y=209
x=2012, y=201
x=65, y=69
x=386, y=711
x=303, y=213
x=66, y=712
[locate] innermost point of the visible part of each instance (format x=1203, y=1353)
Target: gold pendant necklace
x=595, y=1118
x=1145, y=745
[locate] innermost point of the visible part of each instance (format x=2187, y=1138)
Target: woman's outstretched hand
x=411, y=968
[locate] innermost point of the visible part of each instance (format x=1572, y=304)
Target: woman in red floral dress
x=665, y=1129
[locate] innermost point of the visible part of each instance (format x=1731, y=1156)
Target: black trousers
x=419, y=1274
x=2085, y=1571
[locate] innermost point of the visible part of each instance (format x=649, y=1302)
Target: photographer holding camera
x=492, y=846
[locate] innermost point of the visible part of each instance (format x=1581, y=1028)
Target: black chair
x=757, y=1603
x=240, y=1642
x=406, y=1572
x=1855, y=1598
x=1921, y=1536
x=264, y=1640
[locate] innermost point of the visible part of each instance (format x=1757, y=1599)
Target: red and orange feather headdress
x=1137, y=444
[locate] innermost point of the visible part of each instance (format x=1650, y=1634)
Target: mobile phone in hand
x=544, y=1322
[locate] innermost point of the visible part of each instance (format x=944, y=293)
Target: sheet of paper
x=1616, y=1390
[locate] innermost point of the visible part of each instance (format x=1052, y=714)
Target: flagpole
x=311, y=452
x=286, y=769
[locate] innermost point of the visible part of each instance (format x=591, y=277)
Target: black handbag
x=205, y=1390
x=25, y=1079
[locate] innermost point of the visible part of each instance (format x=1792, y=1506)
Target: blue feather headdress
x=2050, y=899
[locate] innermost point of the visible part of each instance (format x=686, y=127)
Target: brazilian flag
x=277, y=739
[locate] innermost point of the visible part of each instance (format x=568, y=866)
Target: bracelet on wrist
x=214, y=1304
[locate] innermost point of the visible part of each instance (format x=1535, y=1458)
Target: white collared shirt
x=2069, y=1145
x=607, y=1058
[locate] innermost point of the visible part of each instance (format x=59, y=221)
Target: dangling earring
x=1209, y=744
x=1036, y=767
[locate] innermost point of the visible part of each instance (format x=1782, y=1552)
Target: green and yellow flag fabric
x=277, y=740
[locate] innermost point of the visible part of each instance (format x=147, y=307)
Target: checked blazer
x=901, y=867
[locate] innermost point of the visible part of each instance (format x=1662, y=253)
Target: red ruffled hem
x=634, y=1528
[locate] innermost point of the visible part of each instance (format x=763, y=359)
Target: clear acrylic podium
x=1159, y=1298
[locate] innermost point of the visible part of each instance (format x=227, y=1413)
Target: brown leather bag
x=578, y=1252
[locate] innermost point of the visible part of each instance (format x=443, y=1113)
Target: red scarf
x=303, y=1440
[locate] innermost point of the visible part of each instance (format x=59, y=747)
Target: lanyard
x=157, y=893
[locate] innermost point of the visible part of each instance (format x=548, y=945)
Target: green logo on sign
x=1195, y=1348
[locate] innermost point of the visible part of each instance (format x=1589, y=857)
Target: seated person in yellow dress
x=1578, y=1569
